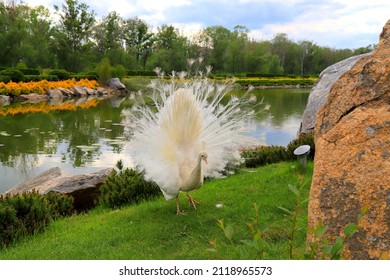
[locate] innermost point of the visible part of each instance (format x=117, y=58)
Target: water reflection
x=87, y=140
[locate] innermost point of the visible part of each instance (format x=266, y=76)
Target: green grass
x=151, y=230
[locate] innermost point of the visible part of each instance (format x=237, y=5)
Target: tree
x=170, y=50
x=237, y=49
x=280, y=44
x=73, y=34
x=139, y=40
x=219, y=38
x=13, y=28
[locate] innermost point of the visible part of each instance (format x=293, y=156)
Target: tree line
x=79, y=41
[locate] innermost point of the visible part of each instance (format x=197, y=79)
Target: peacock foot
x=192, y=201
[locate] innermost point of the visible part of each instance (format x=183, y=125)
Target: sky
x=331, y=23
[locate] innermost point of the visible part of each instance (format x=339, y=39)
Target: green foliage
x=300, y=200
x=104, y=70
x=303, y=139
x=29, y=71
x=4, y=79
x=60, y=73
x=324, y=248
x=263, y=155
x=14, y=74
x=141, y=73
x=30, y=212
x=118, y=71
x=255, y=247
x=126, y=187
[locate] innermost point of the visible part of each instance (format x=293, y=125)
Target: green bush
x=61, y=74
x=126, y=187
x=14, y=74
x=118, y=71
x=32, y=78
x=28, y=213
x=263, y=155
x=104, y=70
x=303, y=139
x=29, y=71
x=5, y=79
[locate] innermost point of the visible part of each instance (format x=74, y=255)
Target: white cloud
x=334, y=23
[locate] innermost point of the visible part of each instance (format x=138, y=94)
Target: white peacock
x=188, y=133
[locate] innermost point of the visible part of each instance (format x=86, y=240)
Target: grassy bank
x=151, y=230
x=135, y=83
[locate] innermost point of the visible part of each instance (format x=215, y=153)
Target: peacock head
x=203, y=156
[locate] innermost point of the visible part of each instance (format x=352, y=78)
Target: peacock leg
x=178, y=212
x=192, y=201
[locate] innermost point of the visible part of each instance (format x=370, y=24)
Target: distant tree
x=170, y=50
x=219, y=39
x=13, y=26
x=139, y=40
x=73, y=34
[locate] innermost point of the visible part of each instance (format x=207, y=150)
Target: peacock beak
x=205, y=160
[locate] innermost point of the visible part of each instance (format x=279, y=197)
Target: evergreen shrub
x=126, y=187
x=14, y=74
x=30, y=212
x=61, y=74
x=263, y=155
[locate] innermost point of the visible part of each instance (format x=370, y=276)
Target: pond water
x=89, y=138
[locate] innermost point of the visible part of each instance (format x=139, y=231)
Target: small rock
x=5, y=100
x=115, y=83
x=80, y=90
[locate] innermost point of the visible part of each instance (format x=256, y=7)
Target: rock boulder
x=319, y=93
x=84, y=188
x=352, y=162
x=115, y=83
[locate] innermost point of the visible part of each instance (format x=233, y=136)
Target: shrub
x=60, y=73
x=263, y=155
x=104, y=70
x=126, y=187
x=4, y=79
x=32, y=78
x=30, y=212
x=14, y=74
x=303, y=139
x=29, y=71
x=118, y=71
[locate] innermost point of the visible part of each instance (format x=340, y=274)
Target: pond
x=89, y=137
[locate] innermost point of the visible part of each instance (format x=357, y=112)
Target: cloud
x=334, y=23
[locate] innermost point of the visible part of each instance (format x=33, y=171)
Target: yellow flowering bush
x=41, y=87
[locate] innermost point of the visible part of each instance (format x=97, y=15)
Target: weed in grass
x=323, y=249
x=298, y=192
x=253, y=248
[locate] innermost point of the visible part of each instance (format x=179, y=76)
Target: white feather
x=187, y=119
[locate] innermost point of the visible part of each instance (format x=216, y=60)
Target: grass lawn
x=151, y=230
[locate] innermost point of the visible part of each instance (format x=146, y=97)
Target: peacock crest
x=187, y=128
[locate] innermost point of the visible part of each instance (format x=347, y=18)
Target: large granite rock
x=319, y=93
x=84, y=188
x=352, y=163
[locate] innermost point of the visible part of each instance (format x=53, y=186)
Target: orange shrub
x=41, y=87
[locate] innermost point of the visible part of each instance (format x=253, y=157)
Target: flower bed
x=41, y=87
